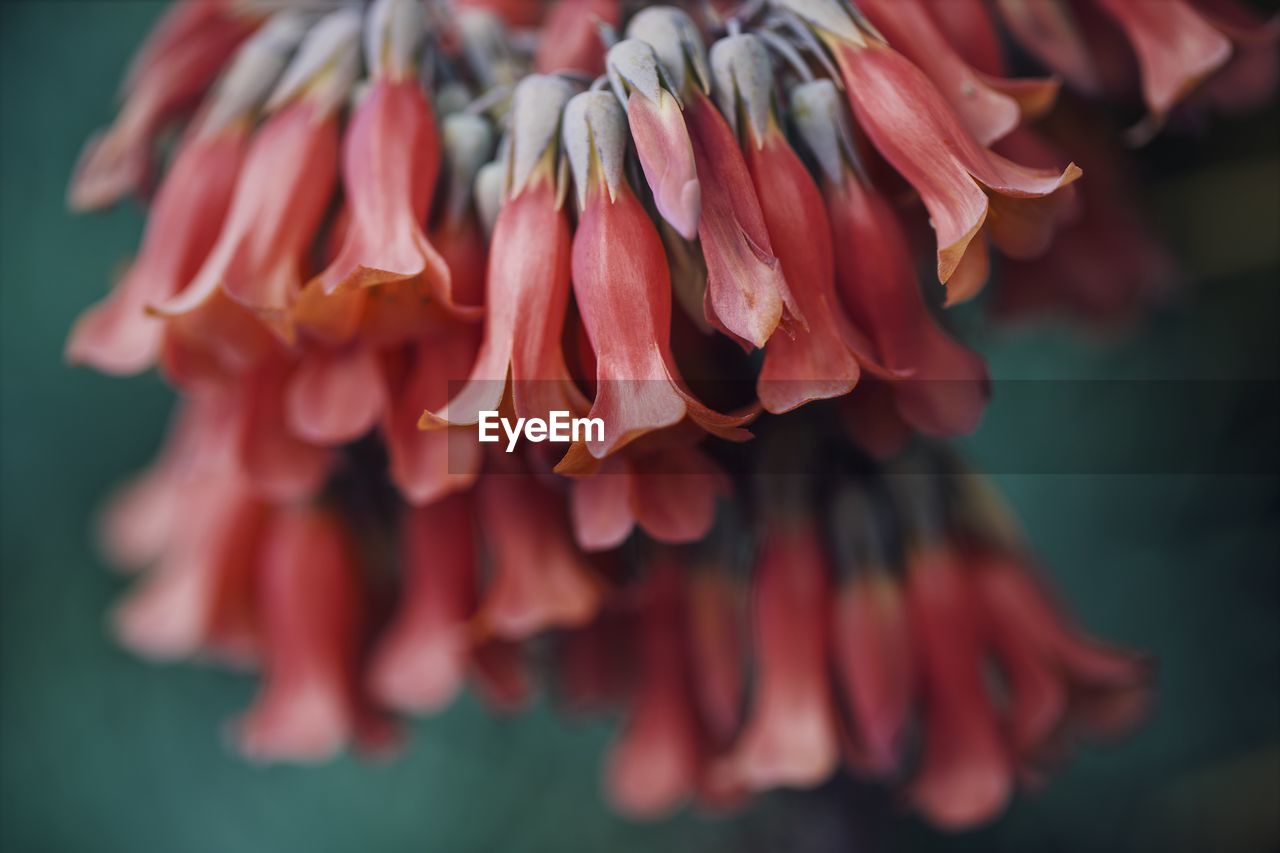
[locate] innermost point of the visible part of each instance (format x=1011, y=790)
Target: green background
x=104, y=753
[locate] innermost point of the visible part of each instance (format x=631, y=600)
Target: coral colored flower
x=966, y=775
x=422, y=656
x=427, y=464
x=311, y=605
x=527, y=289
x=280, y=198
x=570, y=38
x=1046, y=660
x=659, y=132
x=824, y=360
x=335, y=395
x=717, y=633
x=117, y=335
x=1175, y=45
x=197, y=599
x=185, y=54
x=654, y=765
x=281, y=465
x=989, y=106
x=943, y=388
x=967, y=189
x=664, y=485
x=746, y=295
x=539, y=579
x=623, y=290
x=391, y=160
x=790, y=736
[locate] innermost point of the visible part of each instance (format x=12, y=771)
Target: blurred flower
x=383, y=217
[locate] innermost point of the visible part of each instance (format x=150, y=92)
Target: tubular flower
x=946, y=391
x=170, y=75
x=391, y=159
x=254, y=270
x=967, y=189
x=528, y=279
x=790, y=736
x=422, y=657
x=825, y=360
x=655, y=764
x=311, y=703
x=361, y=252
x=623, y=289
x=117, y=335
x=988, y=106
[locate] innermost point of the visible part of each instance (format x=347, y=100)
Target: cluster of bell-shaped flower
x=381, y=221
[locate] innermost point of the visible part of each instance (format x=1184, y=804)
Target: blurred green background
x=104, y=753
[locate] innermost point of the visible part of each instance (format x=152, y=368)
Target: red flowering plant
x=384, y=225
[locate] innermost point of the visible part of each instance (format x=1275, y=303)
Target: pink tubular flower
x=117, y=335
x=280, y=198
x=311, y=613
x=185, y=54
x=528, y=280
x=658, y=130
x=623, y=290
x=946, y=389
x=824, y=360
x=717, y=631
x=1049, y=665
x=989, y=106
x=539, y=579
x=570, y=39
x=1175, y=45
x=966, y=188
x=654, y=765
x=391, y=160
x=421, y=658
x=662, y=484
x=280, y=465
x=790, y=737
x=427, y=464
x=966, y=776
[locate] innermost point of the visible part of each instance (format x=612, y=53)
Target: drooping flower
x=179, y=62
x=655, y=763
x=254, y=271
x=989, y=106
x=422, y=657
x=118, y=335
x=539, y=579
x=623, y=290
x=310, y=705
x=391, y=160
x=946, y=390
x=528, y=279
x=968, y=190
x=790, y=736
x=825, y=359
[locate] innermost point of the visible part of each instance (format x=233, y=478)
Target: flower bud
x=536, y=108
x=818, y=112
x=743, y=76
x=595, y=138
x=393, y=30
x=326, y=65
x=676, y=40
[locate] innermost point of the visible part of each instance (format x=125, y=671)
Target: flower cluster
x=380, y=221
